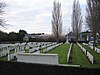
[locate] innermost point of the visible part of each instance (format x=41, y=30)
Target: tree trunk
x=94, y=43
x=57, y=39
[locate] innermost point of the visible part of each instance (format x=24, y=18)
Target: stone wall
x=38, y=58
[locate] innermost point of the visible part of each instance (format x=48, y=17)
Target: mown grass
x=62, y=52
x=94, y=53
x=11, y=51
x=4, y=58
x=78, y=57
x=96, y=57
x=98, y=44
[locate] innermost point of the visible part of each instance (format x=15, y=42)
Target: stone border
x=51, y=59
x=69, y=53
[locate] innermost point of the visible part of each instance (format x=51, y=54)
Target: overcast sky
x=35, y=16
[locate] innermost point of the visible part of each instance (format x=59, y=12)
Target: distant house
x=84, y=36
x=26, y=38
x=35, y=37
x=70, y=37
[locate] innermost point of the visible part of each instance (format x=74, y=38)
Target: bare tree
x=2, y=6
x=97, y=8
x=57, y=20
x=76, y=19
x=93, y=18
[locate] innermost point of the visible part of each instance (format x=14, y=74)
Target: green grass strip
x=78, y=57
x=62, y=52
x=97, y=45
x=5, y=58
x=11, y=51
x=95, y=54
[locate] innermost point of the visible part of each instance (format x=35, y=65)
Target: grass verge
x=95, y=54
x=62, y=52
x=78, y=57
x=4, y=58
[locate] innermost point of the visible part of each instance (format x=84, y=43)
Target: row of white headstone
x=53, y=46
x=4, y=51
x=11, y=56
x=43, y=46
x=16, y=49
x=33, y=49
x=88, y=54
x=37, y=57
x=38, y=44
x=96, y=49
x=37, y=47
x=69, y=52
x=20, y=48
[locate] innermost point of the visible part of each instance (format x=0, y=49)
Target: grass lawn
x=95, y=54
x=98, y=45
x=62, y=52
x=78, y=57
x=96, y=57
x=11, y=51
x=5, y=58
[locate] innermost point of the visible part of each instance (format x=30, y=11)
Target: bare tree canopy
x=93, y=17
x=57, y=20
x=2, y=6
x=97, y=15
x=76, y=19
